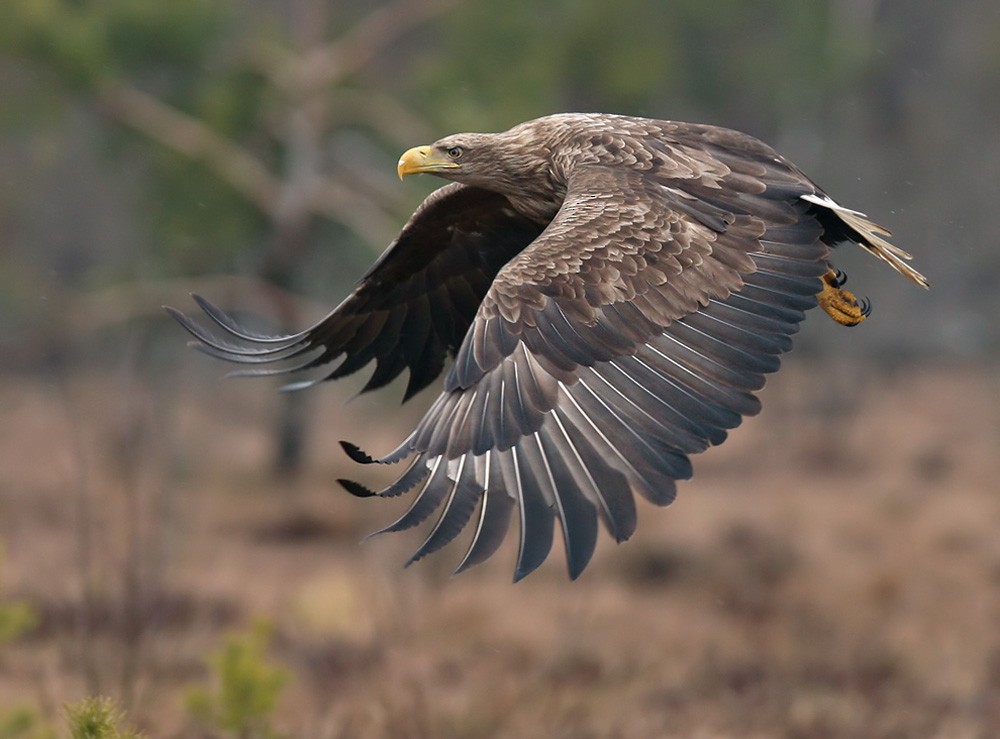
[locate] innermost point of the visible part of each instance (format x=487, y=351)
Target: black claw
x=866, y=307
x=840, y=278
x=356, y=488
x=355, y=452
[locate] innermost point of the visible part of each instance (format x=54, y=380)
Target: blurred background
x=178, y=544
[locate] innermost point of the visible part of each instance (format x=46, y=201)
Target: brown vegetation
x=832, y=570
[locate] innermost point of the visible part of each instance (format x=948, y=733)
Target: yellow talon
x=840, y=304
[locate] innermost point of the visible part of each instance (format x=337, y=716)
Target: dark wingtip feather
x=173, y=313
x=356, y=488
x=522, y=572
x=356, y=453
x=580, y=550
x=416, y=382
x=186, y=323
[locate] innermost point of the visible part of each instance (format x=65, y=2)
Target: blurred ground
x=832, y=570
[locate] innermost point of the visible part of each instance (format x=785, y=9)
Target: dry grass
x=832, y=571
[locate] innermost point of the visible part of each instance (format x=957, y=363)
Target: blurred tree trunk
x=306, y=76
x=304, y=125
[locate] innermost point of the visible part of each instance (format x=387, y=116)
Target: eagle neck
x=538, y=191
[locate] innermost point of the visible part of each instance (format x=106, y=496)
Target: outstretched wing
x=411, y=309
x=632, y=333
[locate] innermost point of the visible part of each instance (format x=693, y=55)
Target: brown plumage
x=613, y=291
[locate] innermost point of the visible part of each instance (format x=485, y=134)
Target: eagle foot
x=842, y=305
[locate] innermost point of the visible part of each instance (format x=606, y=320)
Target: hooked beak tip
x=413, y=161
x=422, y=159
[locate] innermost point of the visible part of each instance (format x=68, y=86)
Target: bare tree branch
x=193, y=138
x=328, y=64
x=327, y=196
x=84, y=313
x=303, y=191
x=382, y=113
x=339, y=200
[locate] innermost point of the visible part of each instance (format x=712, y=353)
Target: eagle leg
x=842, y=305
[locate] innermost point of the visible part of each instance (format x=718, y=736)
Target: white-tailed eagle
x=612, y=290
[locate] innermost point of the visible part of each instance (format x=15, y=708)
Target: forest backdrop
x=143, y=141
x=246, y=150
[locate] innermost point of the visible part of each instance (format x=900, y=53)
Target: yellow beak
x=422, y=159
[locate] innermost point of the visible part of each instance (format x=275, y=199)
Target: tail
x=872, y=238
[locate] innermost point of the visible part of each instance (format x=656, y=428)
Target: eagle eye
x=454, y=152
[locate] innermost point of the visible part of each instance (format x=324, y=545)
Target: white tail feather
x=873, y=238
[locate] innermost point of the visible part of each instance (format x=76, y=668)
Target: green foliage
x=24, y=723
x=247, y=687
x=523, y=58
x=98, y=718
x=481, y=66
x=200, y=226
x=16, y=617
x=485, y=66
x=175, y=51
x=87, y=42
